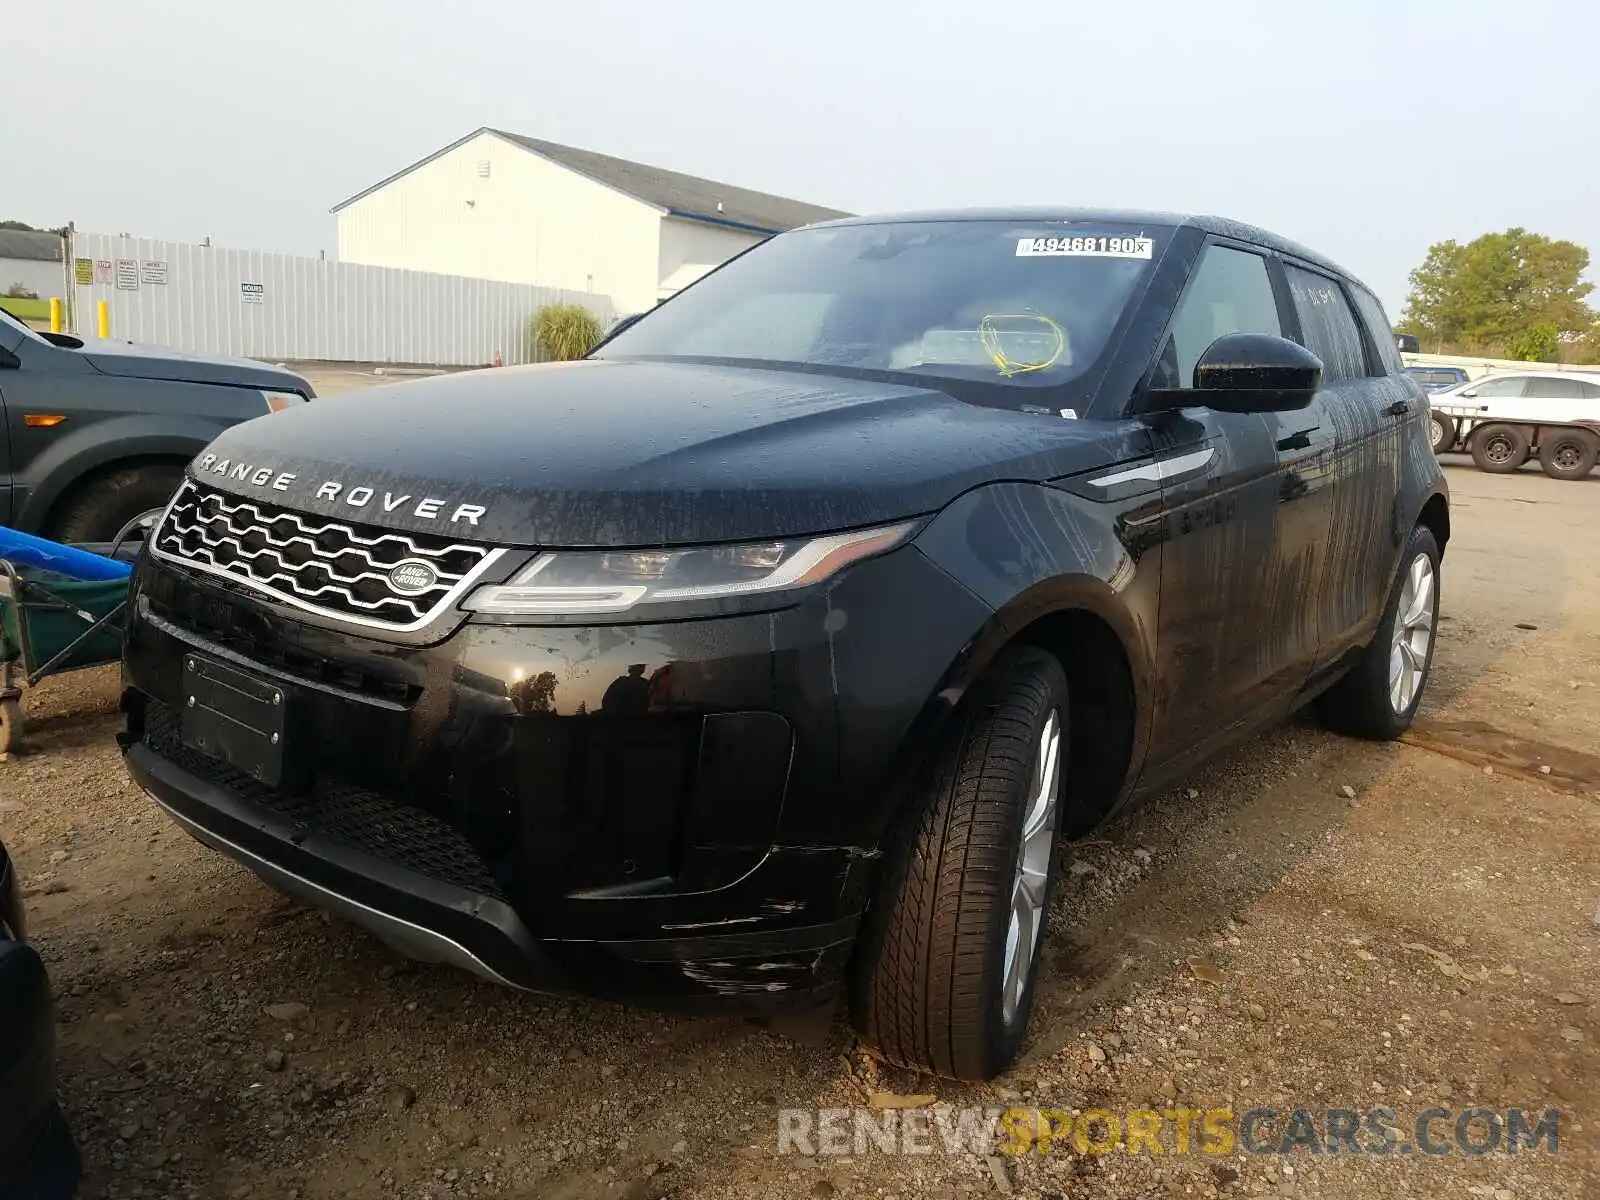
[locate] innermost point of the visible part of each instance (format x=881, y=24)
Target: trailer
x=1504, y=420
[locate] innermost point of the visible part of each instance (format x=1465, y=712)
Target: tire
x=1442, y=427
x=930, y=988
x=102, y=506
x=1499, y=448
x=1568, y=453
x=1365, y=702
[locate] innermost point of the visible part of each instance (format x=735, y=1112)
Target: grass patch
x=26, y=310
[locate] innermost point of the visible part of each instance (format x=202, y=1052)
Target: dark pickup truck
x=96, y=434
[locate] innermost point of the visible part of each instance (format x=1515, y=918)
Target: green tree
x=19, y=227
x=1498, y=289
x=1538, y=343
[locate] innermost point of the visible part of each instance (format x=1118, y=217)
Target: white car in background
x=1504, y=419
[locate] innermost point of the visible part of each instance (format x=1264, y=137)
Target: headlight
x=278, y=401
x=613, y=581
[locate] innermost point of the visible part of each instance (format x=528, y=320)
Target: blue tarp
x=26, y=550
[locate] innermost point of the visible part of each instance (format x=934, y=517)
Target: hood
x=619, y=453
x=138, y=361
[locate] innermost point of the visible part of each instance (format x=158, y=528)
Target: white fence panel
x=214, y=300
x=1478, y=367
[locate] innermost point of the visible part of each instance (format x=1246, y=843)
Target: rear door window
x=1327, y=326
x=1564, y=389
x=1383, y=343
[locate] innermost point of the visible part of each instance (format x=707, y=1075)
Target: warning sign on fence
x=83, y=271
x=252, y=293
x=128, y=274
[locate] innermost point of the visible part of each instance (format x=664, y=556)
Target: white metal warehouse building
x=496, y=205
x=31, y=261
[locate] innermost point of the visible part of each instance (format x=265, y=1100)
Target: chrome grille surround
x=318, y=564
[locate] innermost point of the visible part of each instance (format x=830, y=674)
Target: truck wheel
x=1379, y=696
x=1443, y=429
x=102, y=506
x=944, y=977
x=1499, y=449
x=1568, y=453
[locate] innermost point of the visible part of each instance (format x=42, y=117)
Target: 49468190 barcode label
x=1086, y=246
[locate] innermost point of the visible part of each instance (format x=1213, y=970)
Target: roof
x=23, y=243
x=1221, y=226
x=679, y=195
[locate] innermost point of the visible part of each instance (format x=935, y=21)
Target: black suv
x=95, y=435
x=767, y=655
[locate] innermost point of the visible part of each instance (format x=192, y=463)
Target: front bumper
x=686, y=812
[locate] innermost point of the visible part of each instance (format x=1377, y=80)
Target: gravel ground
x=1310, y=922
x=332, y=379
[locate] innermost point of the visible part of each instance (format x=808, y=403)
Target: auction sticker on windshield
x=1086, y=246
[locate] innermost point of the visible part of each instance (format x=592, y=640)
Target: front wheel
x=1442, y=429
x=1378, y=699
x=107, y=505
x=944, y=977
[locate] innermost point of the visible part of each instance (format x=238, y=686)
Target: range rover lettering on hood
x=361, y=496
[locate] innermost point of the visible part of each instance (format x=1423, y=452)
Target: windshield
x=1014, y=303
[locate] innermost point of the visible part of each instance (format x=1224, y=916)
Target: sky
x=1366, y=129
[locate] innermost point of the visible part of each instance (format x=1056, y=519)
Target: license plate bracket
x=234, y=716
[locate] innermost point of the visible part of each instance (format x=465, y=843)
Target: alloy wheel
x=1413, y=634
x=1033, y=867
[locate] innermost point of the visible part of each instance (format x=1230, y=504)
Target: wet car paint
x=692, y=808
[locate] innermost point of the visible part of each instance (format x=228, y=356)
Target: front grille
x=352, y=816
x=344, y=571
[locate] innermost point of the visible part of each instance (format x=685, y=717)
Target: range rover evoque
x=765, y=656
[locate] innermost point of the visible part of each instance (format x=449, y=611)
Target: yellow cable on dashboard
x=989, y=337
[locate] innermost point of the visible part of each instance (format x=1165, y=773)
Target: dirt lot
x=1311, y=922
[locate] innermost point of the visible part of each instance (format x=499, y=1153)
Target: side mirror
x=1247, y=373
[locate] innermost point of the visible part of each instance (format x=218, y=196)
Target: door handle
x=1400, y=408
x=1299, y=440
